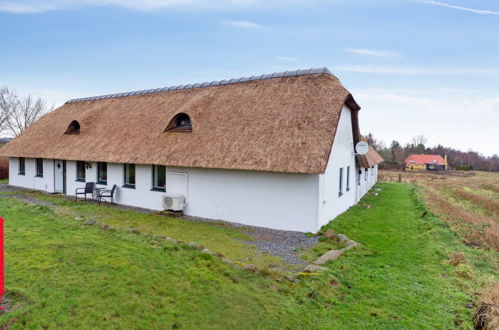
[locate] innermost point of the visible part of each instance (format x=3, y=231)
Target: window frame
x=366, y=170
x=372, y=170
x=154, y=186
x=39, y=167
x=81, y=179
x=340, y=191
x=126, y=169
x=22, y=166
x=348, y=179
x=99, y=181
x=359, y=177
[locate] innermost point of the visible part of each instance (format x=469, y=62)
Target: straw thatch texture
x=281, y=124
x=371, y=158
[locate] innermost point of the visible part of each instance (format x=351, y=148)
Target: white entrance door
x=59, y=176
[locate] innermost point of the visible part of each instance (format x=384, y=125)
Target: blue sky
x=415, y=66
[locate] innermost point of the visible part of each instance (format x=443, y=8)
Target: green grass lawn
x=61, y=273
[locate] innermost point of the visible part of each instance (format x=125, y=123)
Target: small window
x=39, y=167
x=372, y=171
x=365, y=174
x=80, y=171
x=129, y=175
x=181, y=122
x=102, y=173
x=22, y=166
x=340, y=192
x=158, y=177
x=73, y=128
x=348, y=178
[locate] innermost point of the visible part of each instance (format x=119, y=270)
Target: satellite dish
x=362, y=147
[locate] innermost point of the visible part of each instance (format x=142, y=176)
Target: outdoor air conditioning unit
x=173, y=202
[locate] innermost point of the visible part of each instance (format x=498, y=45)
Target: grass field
x=469, y=203
x=62, y=273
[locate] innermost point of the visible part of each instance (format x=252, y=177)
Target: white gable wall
x=331, y=204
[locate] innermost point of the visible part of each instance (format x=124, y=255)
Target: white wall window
x=372, y=171
x=365, y=173
x=80, y=171
x=158, y=177
x=129, y=176
x=102, y=173
x=340, y=191
x=359, y=174
x=348, y=178
x=39, y=167
x=22, y=166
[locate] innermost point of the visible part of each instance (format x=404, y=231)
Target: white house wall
x=29, y=179
x=331, y=204
x=274, y=200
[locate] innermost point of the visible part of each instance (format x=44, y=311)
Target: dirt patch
x=487, y=315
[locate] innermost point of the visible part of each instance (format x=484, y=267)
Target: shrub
x=4, y=168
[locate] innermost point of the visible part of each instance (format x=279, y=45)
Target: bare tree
x=419, y=140
x=21, y=112
x=8, y=104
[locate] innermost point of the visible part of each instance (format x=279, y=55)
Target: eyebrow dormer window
x=73, y=128
x=181, y=123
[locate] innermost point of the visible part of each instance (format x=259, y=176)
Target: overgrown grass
x=216, y=236
x=70, y=275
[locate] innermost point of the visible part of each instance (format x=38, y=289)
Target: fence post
x=400, y=177
x=2, y=286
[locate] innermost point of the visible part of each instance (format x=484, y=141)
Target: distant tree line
x=396, y=153
x=18, y=112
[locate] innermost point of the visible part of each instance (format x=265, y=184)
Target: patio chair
x=89, y=187
x=106, y=193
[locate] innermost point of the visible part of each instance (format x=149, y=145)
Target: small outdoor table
x=96, y=193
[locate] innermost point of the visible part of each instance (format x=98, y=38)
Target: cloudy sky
x=415, y=66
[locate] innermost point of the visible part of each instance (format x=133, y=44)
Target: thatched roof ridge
x=292, y=73
x=279, y=124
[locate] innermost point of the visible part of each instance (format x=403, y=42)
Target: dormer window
x=73, y=128
x=181, y=123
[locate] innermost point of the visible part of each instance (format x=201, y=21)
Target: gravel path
x=281, y=243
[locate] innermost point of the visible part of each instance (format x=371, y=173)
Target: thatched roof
x=283, y=123
x=371, y=158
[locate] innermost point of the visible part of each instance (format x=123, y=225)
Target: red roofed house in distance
x=425, y=163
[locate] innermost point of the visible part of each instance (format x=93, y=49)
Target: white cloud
x=31, y=6
x=471, y=10
x=372, y=52
x=398, y=70
x=243, y=24
x=38, y=6
x=287, y=59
